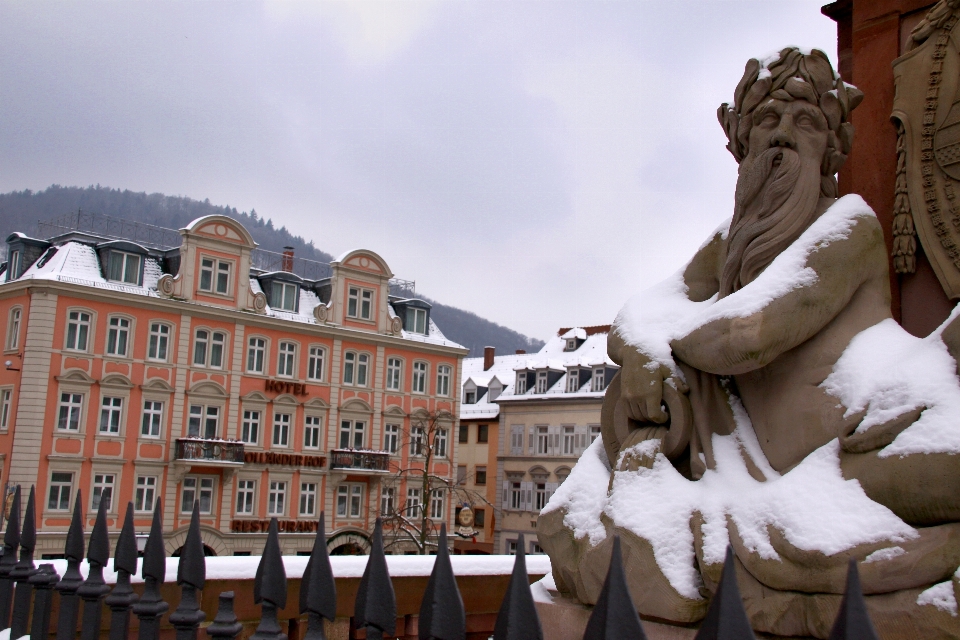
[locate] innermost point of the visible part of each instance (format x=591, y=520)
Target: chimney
x=286, y=263
x=521, y=352
x=488, y=353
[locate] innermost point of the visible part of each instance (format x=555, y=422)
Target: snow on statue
x=767, y=400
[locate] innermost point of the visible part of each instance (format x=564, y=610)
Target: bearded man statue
x=768, y=401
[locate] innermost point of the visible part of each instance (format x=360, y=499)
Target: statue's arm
x=729, y=346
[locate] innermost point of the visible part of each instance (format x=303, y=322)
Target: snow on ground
x=541, y=589
x=940, y=596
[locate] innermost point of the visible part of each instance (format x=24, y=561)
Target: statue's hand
x=641, y=387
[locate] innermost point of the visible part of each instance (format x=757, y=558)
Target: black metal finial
x=318, y=591
x=376, y=606
x=43, y=582
x=191, y=576
x=614, y=616
x=19, y=623
x=125, y=564
x=153, y=569
x=71, y=581
x=441, y=613
x=270, y=587
x=225, y=625
x=853, y=621
x=726, y=619
x=11, y=542
x=94, y=588
x=517, y=619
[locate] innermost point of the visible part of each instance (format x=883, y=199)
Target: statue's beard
x=774, y=205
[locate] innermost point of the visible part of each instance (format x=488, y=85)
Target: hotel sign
x=282, y=386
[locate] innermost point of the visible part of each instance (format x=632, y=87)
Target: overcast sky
x=533, y=162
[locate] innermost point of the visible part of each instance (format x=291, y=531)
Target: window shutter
x=506, y=495
x=529, y=495
x=551, y=487
x=555, y=441
x=523, y=497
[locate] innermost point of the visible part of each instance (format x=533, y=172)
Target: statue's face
x=798, y=125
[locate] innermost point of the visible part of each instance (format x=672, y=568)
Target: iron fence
x=359, y=460
x=105, y=226
x=442, y=616
x=213, y=450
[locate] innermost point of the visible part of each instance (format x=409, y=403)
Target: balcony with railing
x=360, y=460
x=209, y=452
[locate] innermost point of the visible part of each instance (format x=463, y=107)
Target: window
x=573, y=380
x=419, y=377
x=159, y=342
x=250, y=427
x=308, y=498
x=535, y=549
x=61, y=486
x=214, y=276
x=540, y=496
x=6, y=396
x=276, y=498
x=594, y=432
x=78, y=330
x=417, y=320
x=482, y=431
x=413, y=502
x=203, y=422
x=541, y=381
x=391, y=438
x=464, y=437
x=569, y=441
x=285, y=296
x=511, y=547
x=311, y=432
x=351, y=434
x=102, y=490
x=443, y=380
x=13, y=328
x=394, y=369
x=349, y=500
x=461, y=474
x=470, y=397
x=543, y=440
x=197, y=489
x=516, y=496
x=14, y=265
x=480, y=476
x=123, y=267
x=598, y=380
x=436, y=504
x=387, y=501
x=71, y=405
x=478, y=517
x=110, y=412
x=245, y=490
x=359, y=303
x=118, y=334
x=571, y=344
x=355, y=368
x=440, y=443
x=315, y=363
x=281, y=429
x=521, y=382
x=208, y=348
x=256, y=350
x=146, y=493
x=516, y=439
x=285, y=359
x=416, y=441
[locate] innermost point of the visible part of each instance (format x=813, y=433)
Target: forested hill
x=21, y=210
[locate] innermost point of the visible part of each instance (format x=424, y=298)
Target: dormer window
x=573, y=380
x=285, y=296
x=598, y=383
x=360, y=303
x=13, y=270
x=521, y=386
x=123, y=267
x=214, y=276
x=541, y=381
x=470, y=397
x=417, y=320
x=571, y=344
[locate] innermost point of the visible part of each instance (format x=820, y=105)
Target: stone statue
x=768, y=401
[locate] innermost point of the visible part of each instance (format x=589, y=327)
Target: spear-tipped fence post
x=125, y=564
x=225, y=625
x=726, y=618
x=20, y=623
x=71, y=581
x=614, y=616
x=518, y=619
x=191, y=576
x=153, y=569
x=318, y=591
x=94, y=588
x=11, y=542
x=270, y=587
x=853, y=621
x=376, y=606
x=43, y=582
x=441, y=613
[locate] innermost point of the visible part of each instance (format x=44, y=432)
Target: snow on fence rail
x=27, y=591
